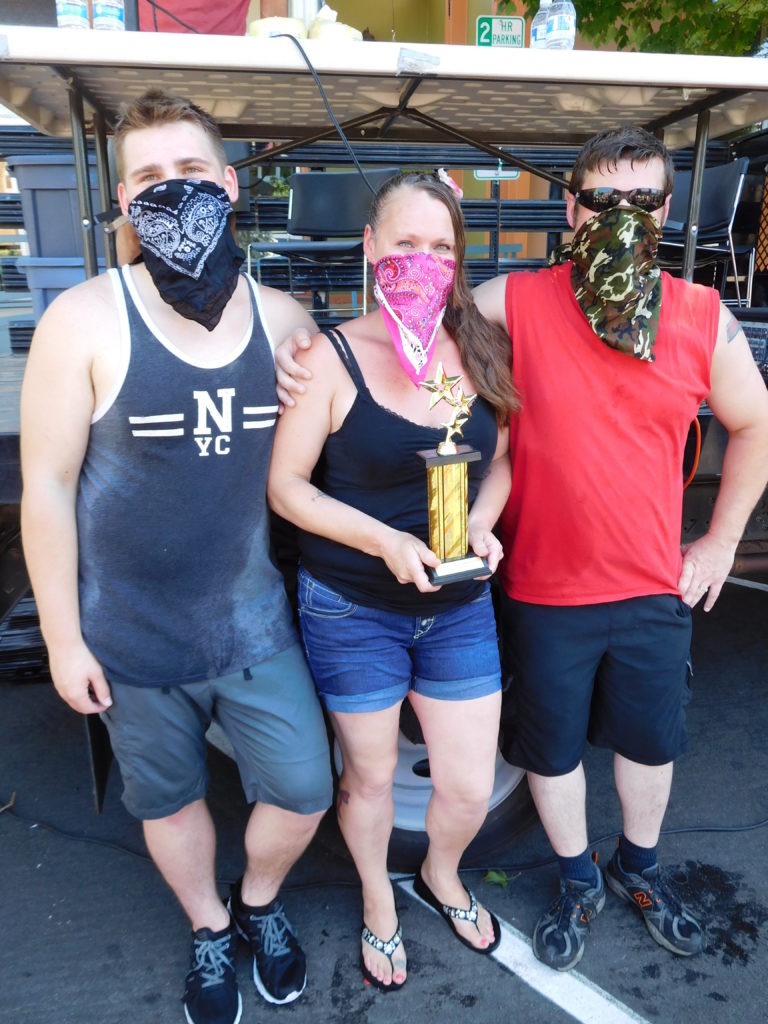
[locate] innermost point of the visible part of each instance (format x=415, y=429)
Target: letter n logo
x=220, y=414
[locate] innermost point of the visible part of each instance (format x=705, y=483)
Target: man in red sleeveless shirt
x=612, y=359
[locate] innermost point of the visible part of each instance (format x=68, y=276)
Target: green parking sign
x=498, y=31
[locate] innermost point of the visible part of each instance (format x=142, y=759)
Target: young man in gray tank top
x=148, y=410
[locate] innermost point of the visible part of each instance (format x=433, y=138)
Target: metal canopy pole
x=504, y=158
x=83, y=181
x=390, y=114
x=325, y=133
x=694, y=199
x=105, y=190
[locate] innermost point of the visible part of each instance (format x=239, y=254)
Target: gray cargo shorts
x=269, y=712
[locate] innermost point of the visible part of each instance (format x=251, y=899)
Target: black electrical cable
x=286, y=35
x=120, y=848
x=323, y=883
x=334, y=121
x=681, y=830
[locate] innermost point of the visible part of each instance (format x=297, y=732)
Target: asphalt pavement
x=91, y=935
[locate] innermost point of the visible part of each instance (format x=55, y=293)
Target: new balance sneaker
x=211, y=995
x=558, y=939
x=279, y=964
x=667, y=919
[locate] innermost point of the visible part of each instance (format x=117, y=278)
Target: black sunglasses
x=599, y=199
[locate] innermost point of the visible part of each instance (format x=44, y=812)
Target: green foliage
x=500, y=878
x=727, y=27
x=278, y=186
x=496, y=878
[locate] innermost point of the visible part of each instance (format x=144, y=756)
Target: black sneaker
x=279, y=964
x=558, y=939
x=211, y=995
x=667, y=919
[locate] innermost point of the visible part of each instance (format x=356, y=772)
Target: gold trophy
x=447, y=487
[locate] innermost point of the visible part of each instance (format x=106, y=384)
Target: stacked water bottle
x=554, y=26
x=107, y=15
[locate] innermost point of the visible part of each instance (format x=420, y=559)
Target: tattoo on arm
x=318, y=494
x=341, y=799
x=732, y=328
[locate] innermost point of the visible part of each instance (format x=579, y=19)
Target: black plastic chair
x=720, y=194
x=329, y=210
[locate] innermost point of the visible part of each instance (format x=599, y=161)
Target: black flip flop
x=451, y=914
x=387, y=948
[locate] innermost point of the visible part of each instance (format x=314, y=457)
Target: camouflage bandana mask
x=615, y=278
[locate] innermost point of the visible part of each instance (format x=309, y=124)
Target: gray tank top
x=175, y=577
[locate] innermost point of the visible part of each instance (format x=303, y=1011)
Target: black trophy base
x=457, y=569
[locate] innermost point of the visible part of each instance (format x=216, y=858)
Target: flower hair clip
x=446, y=179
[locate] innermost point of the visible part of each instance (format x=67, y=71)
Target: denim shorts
x=270, y=714
x=616, y=674
x=367, y=659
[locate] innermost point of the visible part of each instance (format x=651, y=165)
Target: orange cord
x=696, y=454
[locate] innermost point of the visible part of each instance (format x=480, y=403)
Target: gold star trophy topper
x=441, y=389
x=447, y=485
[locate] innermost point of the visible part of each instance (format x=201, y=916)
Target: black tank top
x=371, y=463
x=176, y=582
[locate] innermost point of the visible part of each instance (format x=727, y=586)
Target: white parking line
x=572, y=992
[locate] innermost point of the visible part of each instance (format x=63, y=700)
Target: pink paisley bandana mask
x=412, y=290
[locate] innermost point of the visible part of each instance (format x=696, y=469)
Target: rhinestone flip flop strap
x=388, y=947
x=464, y=915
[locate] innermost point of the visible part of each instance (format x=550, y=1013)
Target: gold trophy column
x=447, y=487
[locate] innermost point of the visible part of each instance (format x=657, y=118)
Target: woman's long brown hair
x=485, y=350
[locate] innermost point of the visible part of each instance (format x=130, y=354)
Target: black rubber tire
x=512, y=817
x=505, y=822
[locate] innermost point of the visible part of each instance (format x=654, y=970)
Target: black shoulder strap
x=344, y=352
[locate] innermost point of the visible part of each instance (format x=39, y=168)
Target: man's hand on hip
x=706, y=564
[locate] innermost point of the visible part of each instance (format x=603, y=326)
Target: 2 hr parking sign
x=498, y=31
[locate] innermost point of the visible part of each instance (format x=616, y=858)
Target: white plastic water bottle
x=109, y=15
x=561, y=25
x=539, y=25
x=72, y=14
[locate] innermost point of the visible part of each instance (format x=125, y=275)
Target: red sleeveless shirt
x=596, y=503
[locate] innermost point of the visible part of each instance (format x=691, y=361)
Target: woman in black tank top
x=375, y=630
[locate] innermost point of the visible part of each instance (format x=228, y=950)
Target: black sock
x=216, y=935
x=636, y=859
x=578, y=869
x=246, y=908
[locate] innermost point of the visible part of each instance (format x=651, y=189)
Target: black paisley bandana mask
x=188, y=249
x=615, y=278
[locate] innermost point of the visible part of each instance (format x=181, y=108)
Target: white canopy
x=262, y=88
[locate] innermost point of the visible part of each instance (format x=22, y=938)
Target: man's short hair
x=156, y=107
x=614, y=144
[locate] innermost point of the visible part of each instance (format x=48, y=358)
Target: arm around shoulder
x=491, y=299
